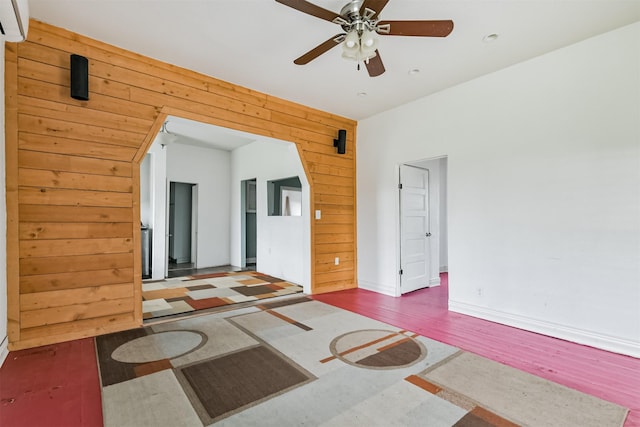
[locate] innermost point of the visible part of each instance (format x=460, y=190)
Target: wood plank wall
x=73, y=237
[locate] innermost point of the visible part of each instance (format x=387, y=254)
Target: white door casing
x=415, y=265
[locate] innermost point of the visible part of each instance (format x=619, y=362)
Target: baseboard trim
x=434, y=281
x=579, y=336
x=4, y=350
x=374, y=287
x=444, y=269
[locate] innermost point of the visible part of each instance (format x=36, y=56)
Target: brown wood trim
x=137, y=253
x=35, y=337
x=312, y=217
x=148, y=140
x=355, y=208
x=11, y=177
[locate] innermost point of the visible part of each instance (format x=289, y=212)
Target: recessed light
x=362, y=94
x=414, y=71
x=489, y=38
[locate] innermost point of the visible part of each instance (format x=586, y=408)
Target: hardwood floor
x=58, y=384
x=52, y=385
x=610, y=376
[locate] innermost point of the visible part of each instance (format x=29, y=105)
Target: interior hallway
x=58, y=384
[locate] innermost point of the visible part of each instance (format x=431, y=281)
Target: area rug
x=199, y=292
x=300, y=362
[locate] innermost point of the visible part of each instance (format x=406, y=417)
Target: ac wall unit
x=14, y=19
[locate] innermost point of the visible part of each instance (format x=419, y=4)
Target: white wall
x=157, y=158
x=283, y=248
x=211, y=170
x=444, y=235
x=146, y=210
x=543, y=191
x=3, y=225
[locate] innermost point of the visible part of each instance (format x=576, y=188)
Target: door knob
x=428, y=234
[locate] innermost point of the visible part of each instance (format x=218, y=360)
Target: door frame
x=194, y=224
x=434, y=219
x=244, y=184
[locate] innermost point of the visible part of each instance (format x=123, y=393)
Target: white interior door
x=415, y=256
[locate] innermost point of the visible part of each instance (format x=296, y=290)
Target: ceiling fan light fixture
x=359, y=46
x=351, y=42
x=369, y=39
x=354, y=56
x=368, y=44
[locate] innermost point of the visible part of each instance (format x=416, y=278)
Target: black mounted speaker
x=79, y=77
x=341, y=142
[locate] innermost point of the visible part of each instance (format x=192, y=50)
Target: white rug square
x=152, y=400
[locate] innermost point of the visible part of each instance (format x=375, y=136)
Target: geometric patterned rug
x=296, y=361
x=198, y=292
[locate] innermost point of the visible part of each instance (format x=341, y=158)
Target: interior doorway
x=422, y=224
x=182, y=236
x=249, y=224
x=213, y=161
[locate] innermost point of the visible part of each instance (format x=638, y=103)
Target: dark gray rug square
x=234, y=381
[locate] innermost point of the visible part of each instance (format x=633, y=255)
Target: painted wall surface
x=210, y=169
x=543, y=191
x=146, y=210
x=444, y=236
x=283, y=241
x=157, y=157
x=3, y=225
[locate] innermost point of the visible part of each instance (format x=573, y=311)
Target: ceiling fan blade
x=310, y=9
x=375, y=67
x=319, y=50
x=416, y=28
x=375, y=5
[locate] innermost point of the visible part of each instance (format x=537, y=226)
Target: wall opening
x=234, y=177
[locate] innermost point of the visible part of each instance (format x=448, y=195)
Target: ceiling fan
x=361, y=25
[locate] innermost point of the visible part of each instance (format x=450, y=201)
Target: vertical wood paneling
x=11, y=172
x=73, y=184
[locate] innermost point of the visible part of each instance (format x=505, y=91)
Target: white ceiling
x=253, y=43
x=178, y=130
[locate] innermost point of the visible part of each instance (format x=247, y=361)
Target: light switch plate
x=318, y=214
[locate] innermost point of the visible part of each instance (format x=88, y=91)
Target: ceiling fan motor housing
x=352, y=20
